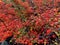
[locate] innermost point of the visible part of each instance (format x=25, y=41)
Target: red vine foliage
x=9, y=21
x=38, y=22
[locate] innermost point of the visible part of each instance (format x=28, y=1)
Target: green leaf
x=23, y=0
x=7, y=1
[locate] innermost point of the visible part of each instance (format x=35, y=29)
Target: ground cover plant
x=30, y=22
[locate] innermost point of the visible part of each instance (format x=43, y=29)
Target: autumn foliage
x=33, y=22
